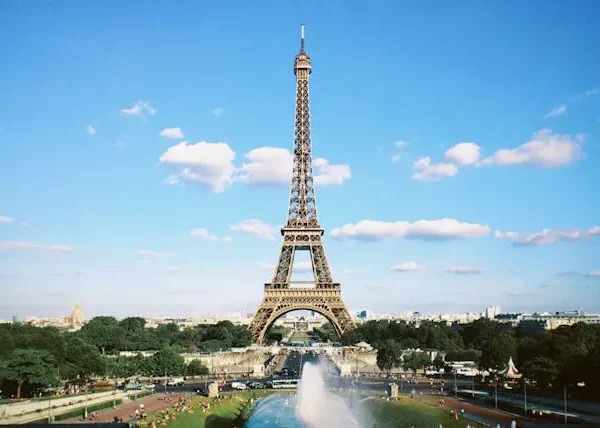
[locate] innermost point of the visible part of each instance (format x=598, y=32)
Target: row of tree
x=33, y=357
x=564, y=356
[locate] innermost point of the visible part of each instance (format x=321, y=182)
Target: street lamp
x=525, y=394
x=496, y=391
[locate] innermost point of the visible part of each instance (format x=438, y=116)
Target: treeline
x=568, y=355
x=33, y=358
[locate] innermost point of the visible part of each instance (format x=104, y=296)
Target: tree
x=196, y=368
x=135, y=336
x=389, y=355
x=498, y=351
x=29, y=366
x=83, y=359
x=415, y=361
x=168, y=362
x=543, y=370
x=104, y=332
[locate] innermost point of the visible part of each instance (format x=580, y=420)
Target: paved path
x=489, y=415
x=127, y=409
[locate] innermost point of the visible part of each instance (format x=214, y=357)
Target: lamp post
x=455, y=385
x=525, y=394
x=565, y=399
x=496, y=392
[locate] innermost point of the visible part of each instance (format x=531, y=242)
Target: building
x=491, y=312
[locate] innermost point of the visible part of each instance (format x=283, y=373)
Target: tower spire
x=301, y=37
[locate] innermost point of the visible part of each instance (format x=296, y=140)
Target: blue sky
x=97, y=207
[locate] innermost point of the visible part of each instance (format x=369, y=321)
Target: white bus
x=285, y=383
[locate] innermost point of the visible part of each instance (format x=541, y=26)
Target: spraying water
x=317, y=407
x=314, y=406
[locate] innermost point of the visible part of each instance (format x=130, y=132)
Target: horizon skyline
x=152, y=167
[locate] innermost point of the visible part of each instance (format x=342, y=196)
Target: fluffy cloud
x=426, y=171
x=256, y=228
x=395, y=158
x=139, y=108
x=595, y=273
x=463, y=153
x=544, y=149
x=400, y=144
x=6, y=220
x=407, y=267
x=208, y=163
x=465, y=270
x=218, y=112
x=26, y=245
x=273, y=165
x=557, y=111
x=547, y=236
x=328, y=174
x=446, y=228
x=171, y=133
x=90, y=130
x=267, y=165
x=207, y=236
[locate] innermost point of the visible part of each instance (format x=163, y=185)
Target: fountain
x=314, y=406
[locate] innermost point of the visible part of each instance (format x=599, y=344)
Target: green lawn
x=234, y=409
x=222, y=414
x=409, y=413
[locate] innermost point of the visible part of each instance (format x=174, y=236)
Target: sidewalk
x=127, y=409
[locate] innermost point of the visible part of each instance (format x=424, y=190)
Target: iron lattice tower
x=301, y=232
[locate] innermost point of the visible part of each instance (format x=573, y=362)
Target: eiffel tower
x=302, y=232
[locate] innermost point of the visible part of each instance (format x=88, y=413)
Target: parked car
x=256, y=385
x=238, y=385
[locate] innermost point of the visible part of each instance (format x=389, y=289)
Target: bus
x=284, y=383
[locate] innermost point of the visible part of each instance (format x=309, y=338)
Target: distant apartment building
x=536, y=323
x=491, y=312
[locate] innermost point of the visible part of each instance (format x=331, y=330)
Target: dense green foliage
x=565, y=356
x=34, y=357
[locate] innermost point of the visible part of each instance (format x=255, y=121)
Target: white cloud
x=547, y=236
x=208, y=163
x=267, y=165
x=26, y=245
x=400, y=144
x=172, y=180
x=328, y=174
x=171, y=133
x=273, y=165
x=446, y=228
x=595, y=273
x=268, y=266
x=256, y=228
x=544, y=149
x=426, y=171
x=6, y=220
x=557, y=111
x=407, y=267
x=463, y=153
x=302, y=267
x=465, y=270
x=139, y=108
x=395, y=158
x=218, y=112
x=173, y=269
x=207, y=236
x=90, y=130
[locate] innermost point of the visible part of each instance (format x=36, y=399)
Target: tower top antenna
x=301, y=37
